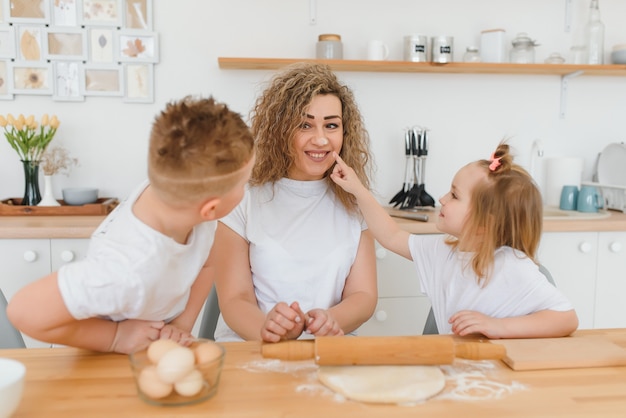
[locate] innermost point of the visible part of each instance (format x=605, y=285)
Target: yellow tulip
x=21, y=119
x=30, y=120
x=18, y=124
x=3, y=121
x=10, y=119
x=54, y=122
x=32, y=125
x=44, y=120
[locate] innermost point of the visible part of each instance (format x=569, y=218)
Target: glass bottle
x=471, y=54
x=594, y=33
x=523, y=51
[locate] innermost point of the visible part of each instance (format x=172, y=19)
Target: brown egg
x=207, y=352
x=158, y=348
x=150, y=384
x=189, y=385
x=175, y=364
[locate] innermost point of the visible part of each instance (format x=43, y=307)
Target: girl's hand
x=283, y=322
x=472, y=322
x=345, y=176
x=321, y=323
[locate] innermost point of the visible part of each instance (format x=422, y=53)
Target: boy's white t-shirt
x=303, y=243
x=132, y=271
x=516, y=286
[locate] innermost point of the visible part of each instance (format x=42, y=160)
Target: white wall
x=467, y=114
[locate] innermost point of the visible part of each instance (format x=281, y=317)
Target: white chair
x=10, y=337
x=430, y=327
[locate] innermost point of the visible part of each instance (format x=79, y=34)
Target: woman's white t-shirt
x=303, y=243
x=516, y=286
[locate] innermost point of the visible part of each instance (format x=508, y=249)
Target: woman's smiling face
x=320, y=134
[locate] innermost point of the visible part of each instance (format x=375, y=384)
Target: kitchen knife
x=416, y=350
x=414, y=216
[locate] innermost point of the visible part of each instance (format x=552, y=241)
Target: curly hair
x=506, y=209
x=197, y=149
x=277, y=117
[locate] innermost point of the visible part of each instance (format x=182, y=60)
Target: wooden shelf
x=428, y=67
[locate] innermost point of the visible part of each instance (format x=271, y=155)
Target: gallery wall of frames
x=72, y=49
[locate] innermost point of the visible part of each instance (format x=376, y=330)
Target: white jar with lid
x=492, y=45
x=329, y=47
x=523, y=51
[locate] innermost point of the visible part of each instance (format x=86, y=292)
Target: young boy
x=148, y=272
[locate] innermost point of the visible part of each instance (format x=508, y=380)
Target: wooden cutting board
x=562, y=353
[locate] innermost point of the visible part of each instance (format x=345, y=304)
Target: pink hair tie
x=495, y=162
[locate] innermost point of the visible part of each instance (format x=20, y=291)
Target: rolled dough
x=383, y=384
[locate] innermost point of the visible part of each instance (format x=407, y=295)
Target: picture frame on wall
x=31, y=78
x=138, y=14
x=30, y=43
x=27, y=11
x=67, y=81
x=5, y=76
x=7, y=41
x=66, y=43
x=139, y=83
x=101, y=13
x=137, y=46
x=64, y=12
x=102, y=80
x=101, y=45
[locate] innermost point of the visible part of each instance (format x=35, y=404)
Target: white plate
x=612, y=165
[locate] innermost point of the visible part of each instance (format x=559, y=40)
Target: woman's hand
x=283, y=322
x=321, y=323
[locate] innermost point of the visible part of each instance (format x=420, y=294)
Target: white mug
x=377, y=51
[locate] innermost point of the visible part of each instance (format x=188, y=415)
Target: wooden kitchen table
x=67, y=382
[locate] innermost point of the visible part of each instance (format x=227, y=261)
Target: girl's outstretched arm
x=385, y=230
x=541, y=324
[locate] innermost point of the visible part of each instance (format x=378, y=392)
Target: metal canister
x=442, y=49
x=416, y=48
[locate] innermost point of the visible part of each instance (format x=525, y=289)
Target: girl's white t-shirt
x=516, y=286
x=303, y=243
x=132, y=271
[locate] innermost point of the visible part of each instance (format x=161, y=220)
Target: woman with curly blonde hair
x=295, y=257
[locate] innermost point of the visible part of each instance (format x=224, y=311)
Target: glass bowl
x=169, y=374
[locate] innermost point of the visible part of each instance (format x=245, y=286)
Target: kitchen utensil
x=589, y=199
x=561, y=353
x=569, y=197
x=415, y=48
x=12, y=373
x=413, y=195
x=618, y=54
x=523, y=51
x=337, y=351
x=442, y=49
x=329, y=47
x=422, y=152
x=77, y=196
x=399, y=198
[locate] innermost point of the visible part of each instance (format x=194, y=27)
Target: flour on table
x=464, y=380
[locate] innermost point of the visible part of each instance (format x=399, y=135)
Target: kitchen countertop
x=68, y=383
x=83, y=226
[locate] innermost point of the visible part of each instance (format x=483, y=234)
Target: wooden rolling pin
x=337, y=351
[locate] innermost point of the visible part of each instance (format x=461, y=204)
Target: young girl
x=483, y=278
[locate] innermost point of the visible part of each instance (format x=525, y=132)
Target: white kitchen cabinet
x=402, y=308
x=610, y=307
x=26, y=260
x=590, y=268
x=571, y=258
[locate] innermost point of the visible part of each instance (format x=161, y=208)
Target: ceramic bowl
x=77, y=196
x=169, y=374
x=618, y=55
x=12, y=374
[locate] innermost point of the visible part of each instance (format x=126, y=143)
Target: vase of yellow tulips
x=29, y=139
